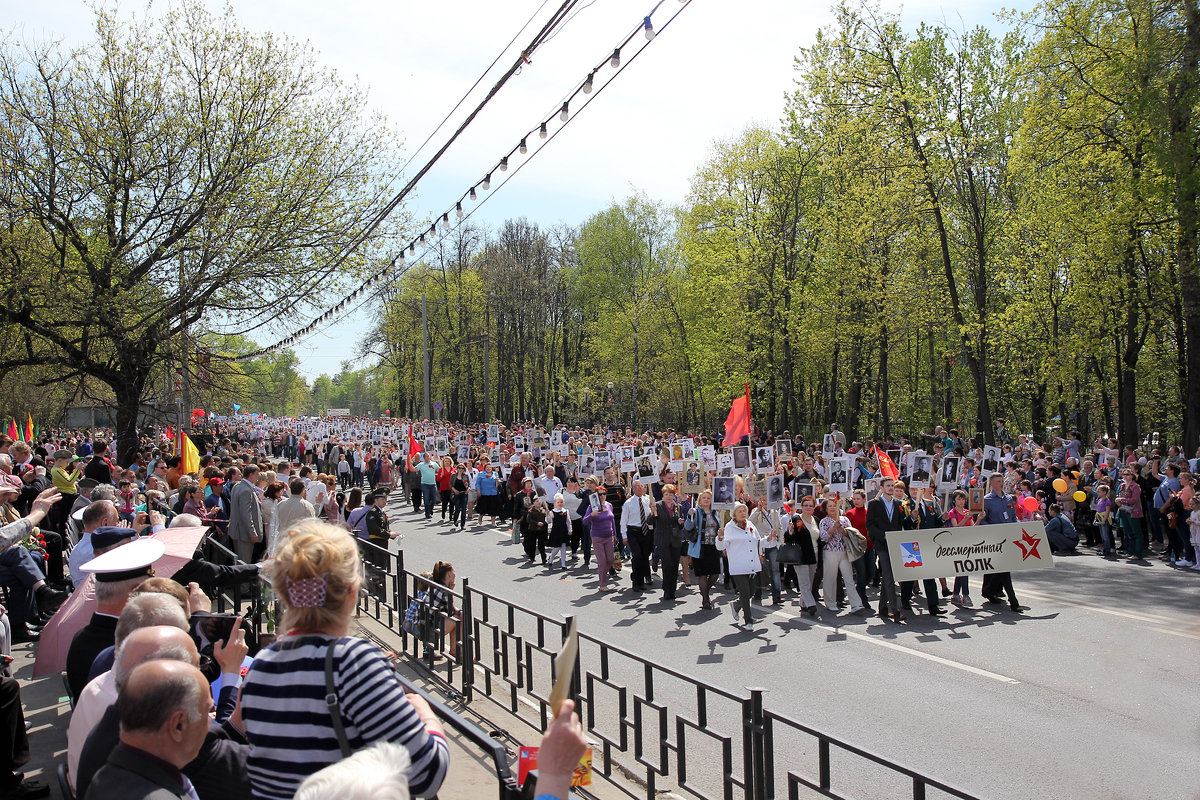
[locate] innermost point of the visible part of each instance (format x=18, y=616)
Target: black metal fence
x=658, y=728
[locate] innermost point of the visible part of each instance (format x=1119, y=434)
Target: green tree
x=179, y=173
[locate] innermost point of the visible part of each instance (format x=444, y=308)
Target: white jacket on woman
x=743, y=547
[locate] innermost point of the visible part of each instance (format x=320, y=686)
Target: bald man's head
x=164, y=709
x=151, y=643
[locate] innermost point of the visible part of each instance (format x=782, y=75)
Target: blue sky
x=720, y=67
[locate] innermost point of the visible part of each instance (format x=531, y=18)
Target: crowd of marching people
x=171, y=700
x=161, y=703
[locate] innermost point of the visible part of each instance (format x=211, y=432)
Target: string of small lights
x=542, y=131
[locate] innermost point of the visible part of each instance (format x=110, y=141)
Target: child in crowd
x=1194, y=528
x=560, y=532
x=1104, y=520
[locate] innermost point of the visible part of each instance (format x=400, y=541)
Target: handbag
x=412, y=624
x=855, y=543
x=789, y=554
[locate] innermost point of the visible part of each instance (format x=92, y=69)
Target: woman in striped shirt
x=316, y=575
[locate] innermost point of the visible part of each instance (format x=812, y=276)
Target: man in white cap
x=118, y=572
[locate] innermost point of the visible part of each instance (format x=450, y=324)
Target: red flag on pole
x=12, y=430
x=414, y=447
x=887, y=467
x=737, y=424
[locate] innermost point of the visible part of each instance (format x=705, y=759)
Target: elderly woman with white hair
x=741, y=543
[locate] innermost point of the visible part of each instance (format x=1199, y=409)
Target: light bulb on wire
x=523, y=148
x=542, y=131
x=504, y=164
x=445, y=220
x=564, y=115
x=473, y=196
x=458, y=210
x=648, y=28
x=587, y=84
x=487, y=181
x=615, y=61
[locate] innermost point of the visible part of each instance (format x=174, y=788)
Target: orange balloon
x=1060, y=485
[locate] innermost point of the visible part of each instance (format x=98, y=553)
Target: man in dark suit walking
x=668, y=538
x=884, y=514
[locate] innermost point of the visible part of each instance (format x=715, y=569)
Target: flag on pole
x=737, y=424
x=28, y=427
x=191, y=456
x=12, y=430
x=414, y=447
x=236, y=408
x=887, y=467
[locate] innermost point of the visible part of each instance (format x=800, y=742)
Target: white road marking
x=1155, y=620
x=983, y=673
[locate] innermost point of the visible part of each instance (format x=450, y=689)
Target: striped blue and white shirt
x=290, y=728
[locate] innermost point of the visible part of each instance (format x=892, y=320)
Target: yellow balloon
x=1060, y=485
x=1079, y=496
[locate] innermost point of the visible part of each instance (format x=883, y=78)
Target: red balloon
x=197, y=412
x=1030, y=504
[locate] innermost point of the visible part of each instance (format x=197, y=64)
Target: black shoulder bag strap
x=331, y=702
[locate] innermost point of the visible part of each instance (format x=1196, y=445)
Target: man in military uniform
x=378, y=534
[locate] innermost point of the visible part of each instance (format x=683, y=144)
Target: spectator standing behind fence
x=292, y=730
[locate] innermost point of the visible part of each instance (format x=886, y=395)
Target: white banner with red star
x=943, y=552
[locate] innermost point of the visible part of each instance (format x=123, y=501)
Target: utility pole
x=487, y=370
x=425, y=354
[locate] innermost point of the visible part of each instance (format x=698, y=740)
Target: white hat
x=128, y=561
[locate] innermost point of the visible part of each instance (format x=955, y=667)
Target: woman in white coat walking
x=742, y=545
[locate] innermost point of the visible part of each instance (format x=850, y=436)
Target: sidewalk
x=48, y=714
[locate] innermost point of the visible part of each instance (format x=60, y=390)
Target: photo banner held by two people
x=946, y=552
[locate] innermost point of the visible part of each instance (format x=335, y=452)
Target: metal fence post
x=466, y=641
x=757, y=782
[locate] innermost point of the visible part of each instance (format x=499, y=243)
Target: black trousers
x=888, y=601
x=14, y=742
x=670, y=569
x=533, y=539
x=996, y=582
x=931, y=593
x=640, y=545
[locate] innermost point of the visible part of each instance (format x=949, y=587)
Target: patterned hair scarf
x=307, y=592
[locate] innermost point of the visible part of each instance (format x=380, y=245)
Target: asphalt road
x=1091, y=693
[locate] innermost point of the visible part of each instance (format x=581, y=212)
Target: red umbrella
x=77, y=610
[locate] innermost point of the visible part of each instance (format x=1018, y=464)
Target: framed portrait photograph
x=519, y=442
x=991, y=460
x=774, y=491
x=975, y=499
x=708, y=454
x=805, y=490
x=840, y=474
x=871, y=487
x=764, y=460
x=741, y=459
x=724, y=490
x=724, y=465
x=783, y=449
x=949, y=473
x=464, y=452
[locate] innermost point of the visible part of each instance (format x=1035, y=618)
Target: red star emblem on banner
x=1028, y=545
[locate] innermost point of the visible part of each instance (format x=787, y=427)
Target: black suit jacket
x=668, y=530
x=131, y=775
x=879, y=523
x=218, y=772
x=99, y=633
